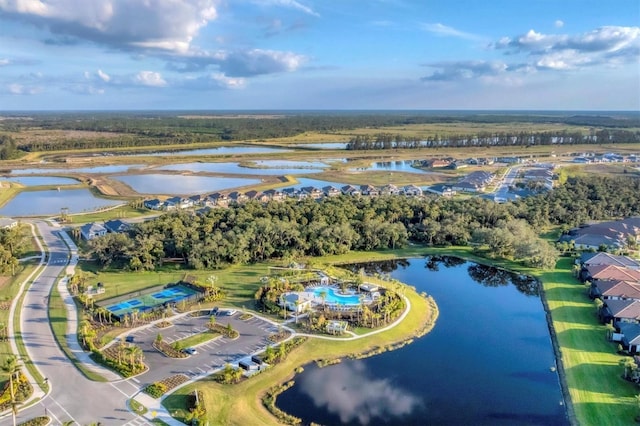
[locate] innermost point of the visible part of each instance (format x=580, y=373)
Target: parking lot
x=254, y=333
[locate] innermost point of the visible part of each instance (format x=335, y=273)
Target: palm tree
x=11, y=367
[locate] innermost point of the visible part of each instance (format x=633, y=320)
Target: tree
x=11, y=367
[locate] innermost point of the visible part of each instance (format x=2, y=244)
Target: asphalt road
x=73, y=397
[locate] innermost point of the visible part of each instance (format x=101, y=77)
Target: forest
x=253, y=232
x=122, y=130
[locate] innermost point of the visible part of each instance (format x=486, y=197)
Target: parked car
x=191, y=351
x=231, y=312
x=129, y=339
x=215, y=311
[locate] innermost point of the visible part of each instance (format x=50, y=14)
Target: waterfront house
x=615, y=290
x=630, y=336
x=609, y=272
x=91, y=230
x=621, y=311
x=369, y=190
x=412, y=191
x=275, y=194
x=218, y=199
x=117, y=225
x=154, y=204
x=604, y=258
x=441, y=189
x=331, y=191
x=312, y=192
x=351, y=190
x=177, y=203
x=238, y=197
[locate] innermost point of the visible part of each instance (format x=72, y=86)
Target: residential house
x=8, y=223
x=218, y=199
x=609, y=272
x=614, y=235
x=437, y=162
x=615, y=290
x=91, y=230
x=177, y=203
x=197, y=200
x=621, y=311
x=312, y=192
x=275, y=194
x=473, y=182
x=238, y=197
x=154, y=204
x=297, y=302
x=351, y=190
x=292, y=193
x=331, y=191
x=441, y=189
x=117, y=225
x=630, y=336
x=369, y=190
x=257, y=196
x=412, y=191
x=389, y=189
x=604, y=258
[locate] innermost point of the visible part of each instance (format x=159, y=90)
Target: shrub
x=156, y=389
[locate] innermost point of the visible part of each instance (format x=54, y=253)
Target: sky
x=319, y=54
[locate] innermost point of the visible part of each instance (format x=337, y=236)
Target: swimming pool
x=150, y=301
x=333, y=297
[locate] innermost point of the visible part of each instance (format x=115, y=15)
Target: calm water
x=223, y=150
x=32, y=203
x=328, y=145
x=98, y=169
x=487, y=361
x=393, y=166
x=182, y=185
x=42, y=180
x=271, y=168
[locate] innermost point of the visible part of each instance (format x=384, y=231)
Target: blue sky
x=319, y=54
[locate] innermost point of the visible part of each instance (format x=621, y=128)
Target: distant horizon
x=312, y=55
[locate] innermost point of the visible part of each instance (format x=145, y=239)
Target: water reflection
x=348, y=391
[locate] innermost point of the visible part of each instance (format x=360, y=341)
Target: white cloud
x=157, y=24
x=149, y=78
x=104, y=76
x=4, y=62
x=465, y=70
x=293, y=4
x=558, y=23
x=21, y=89
x=444, y=30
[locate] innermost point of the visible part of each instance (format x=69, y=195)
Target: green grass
x=137, y=407
x=110, y=214
x=196, y=339
x=58, y=322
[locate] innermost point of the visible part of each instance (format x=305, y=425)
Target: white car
x=231, y=312
x=191, y=351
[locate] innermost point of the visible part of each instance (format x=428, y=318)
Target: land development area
x=297, y=268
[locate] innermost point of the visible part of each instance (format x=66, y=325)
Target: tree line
x=383, y=141
x=158, y=128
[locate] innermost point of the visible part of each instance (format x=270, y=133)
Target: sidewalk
x=72, y=317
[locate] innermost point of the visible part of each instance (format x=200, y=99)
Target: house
x=369, y=190
x=331, y=191
x=197, y=200
x=604, y=258
x=615, y=234
x=91, y=230
x=473, y=182
x=238, y=197
x=8, y=223
x=154, y=204
x=275, y=194
x=351, y=190
x=609, y=272
x=312, y=192
x=116, y=225
x=621, y=311
x=437, y=163
x=337, y=327
x=177, y=203
x=441, y=189
x=218, y=199
x=296, y=302
x=412, y=191
x=615, y=290
x=389, y=189
x=257, y=196
x=630, y=336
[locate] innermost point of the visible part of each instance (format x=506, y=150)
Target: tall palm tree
x=11, y=367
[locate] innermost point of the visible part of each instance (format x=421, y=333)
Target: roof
x=631, y=332
x=624, y=308
x=612, y=233
x=603, y=258
x=117, y=225
x=626, y=289
x=92, y=228
x=611, y=272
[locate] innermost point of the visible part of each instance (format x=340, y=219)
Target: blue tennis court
x=150, y=301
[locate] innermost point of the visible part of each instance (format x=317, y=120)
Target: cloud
x=103, y=76
x=4, y=62
x=21, y=89
x=610, y=45
x=446, y=31
x=149, y=78
x=151, y=24
x=558, y=23
x=465, y=70
x=212, y=82
x=292, y=4
x=348, y=391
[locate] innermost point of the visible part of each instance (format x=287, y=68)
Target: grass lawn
x=109, y=214
x=196, y=339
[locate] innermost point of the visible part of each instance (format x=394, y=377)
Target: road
x=72, y=397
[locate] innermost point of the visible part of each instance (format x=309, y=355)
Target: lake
x=48, y=203
x=267, y=168
x=392, y=166
x=222, y=150
x=96, y=169
x=182, y=185
x=42, y=180
x=488, y=360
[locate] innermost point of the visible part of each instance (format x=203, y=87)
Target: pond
x=267, y=168
x=488, y=361
x=46, y=203
x=41, y=180
x=182, y=185
x=302, y=182
x=97, y=169
x=222, y=150
x=328, y=145
x=392, y=166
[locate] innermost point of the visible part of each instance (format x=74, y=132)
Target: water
x=267, y=168
x=47, y=203
x=42, y=180
x=487, y=361
x=328, y=145
x=302, y=182
x=331, y=297
x=182, y=185
x=223, y=150
x=97, y=169
x=392, y=166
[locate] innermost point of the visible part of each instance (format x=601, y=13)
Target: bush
x=156, y=389
x=36, y=421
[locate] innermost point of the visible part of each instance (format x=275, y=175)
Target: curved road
x=72, y=397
